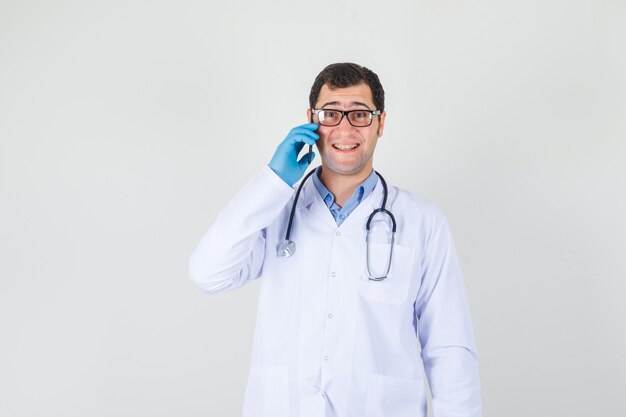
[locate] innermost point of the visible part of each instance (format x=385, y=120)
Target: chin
x=345, y=169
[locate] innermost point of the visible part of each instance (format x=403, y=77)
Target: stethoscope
x=288, y=247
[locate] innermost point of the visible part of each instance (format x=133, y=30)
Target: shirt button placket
x=328, y=336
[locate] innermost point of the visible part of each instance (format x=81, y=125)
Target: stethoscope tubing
x=288, y=247
x=382, y=208
x=295, y=201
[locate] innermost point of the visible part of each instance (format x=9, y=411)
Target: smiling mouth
x=345, y=147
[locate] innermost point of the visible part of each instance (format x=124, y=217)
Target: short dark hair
x=347, y=74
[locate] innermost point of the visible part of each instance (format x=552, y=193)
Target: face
x=345, y=149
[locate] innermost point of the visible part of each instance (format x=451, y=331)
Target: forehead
x=348, y=96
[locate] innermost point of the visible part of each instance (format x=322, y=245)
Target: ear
x=381, y=125
x=308, y=114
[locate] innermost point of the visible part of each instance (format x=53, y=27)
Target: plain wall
x=126, y=125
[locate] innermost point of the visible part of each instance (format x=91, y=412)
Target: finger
x=295, y=138
x=303, y=132
x=310, y=126
x=298, y=147
x=304, y=161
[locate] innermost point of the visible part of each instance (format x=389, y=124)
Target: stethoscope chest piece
x=286, y=248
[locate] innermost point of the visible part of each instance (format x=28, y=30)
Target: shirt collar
x=361, y=192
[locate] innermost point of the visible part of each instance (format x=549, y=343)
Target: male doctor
x=339, y=321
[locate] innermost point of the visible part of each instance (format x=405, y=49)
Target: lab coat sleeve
x=231, y=252
x=445, y=329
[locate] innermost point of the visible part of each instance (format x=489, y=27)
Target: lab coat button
x=330, y=316
x=332, y=274
x=338, y=233
x=326, y=358
x=324, y=396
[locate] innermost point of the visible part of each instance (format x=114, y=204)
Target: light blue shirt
x=361, y=192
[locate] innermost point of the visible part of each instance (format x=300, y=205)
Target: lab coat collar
x=311, y=200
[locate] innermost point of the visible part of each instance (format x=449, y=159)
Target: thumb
x=304, y=161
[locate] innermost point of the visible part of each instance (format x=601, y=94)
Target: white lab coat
x=328, y=341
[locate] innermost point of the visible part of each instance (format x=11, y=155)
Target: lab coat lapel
x=312, y=201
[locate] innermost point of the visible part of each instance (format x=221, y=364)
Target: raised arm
x=231, y=252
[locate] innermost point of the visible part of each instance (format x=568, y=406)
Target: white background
x=126, y=125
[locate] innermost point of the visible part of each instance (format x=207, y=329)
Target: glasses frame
x=346, y=113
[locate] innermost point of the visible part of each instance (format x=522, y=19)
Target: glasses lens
x=360, y=118
x=329, y=117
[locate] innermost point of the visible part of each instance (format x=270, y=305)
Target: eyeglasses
x=357, y=118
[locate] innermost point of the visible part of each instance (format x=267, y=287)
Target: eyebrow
x=354, y=103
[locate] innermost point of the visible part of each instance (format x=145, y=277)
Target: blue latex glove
x=285, y=161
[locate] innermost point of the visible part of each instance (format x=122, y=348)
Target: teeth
x=345, y=147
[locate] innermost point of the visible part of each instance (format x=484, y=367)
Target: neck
x=343, y=186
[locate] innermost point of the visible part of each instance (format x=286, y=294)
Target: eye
x=331, y=114
x=361, y=115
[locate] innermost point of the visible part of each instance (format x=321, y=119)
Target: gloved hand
x=285, y=160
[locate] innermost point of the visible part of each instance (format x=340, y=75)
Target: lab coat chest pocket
x=387, y=396
x=267, y=393
x=395, y=288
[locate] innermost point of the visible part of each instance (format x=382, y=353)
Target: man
x=339, y=320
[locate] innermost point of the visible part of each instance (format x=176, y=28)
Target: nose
x=344, y=124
